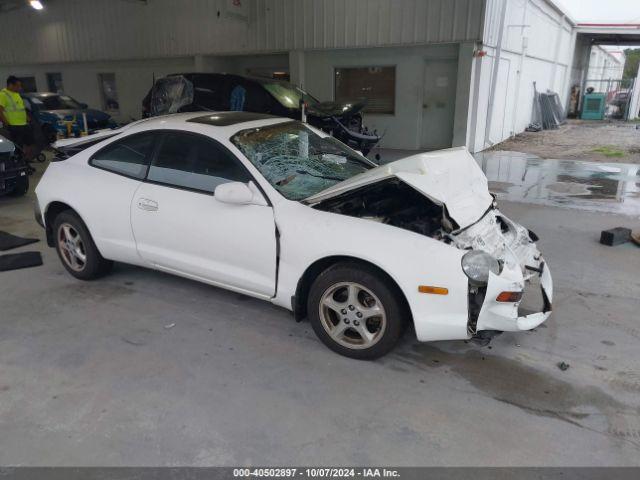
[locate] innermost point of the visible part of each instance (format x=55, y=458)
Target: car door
x=180, y=227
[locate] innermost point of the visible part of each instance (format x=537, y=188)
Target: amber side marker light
x=434, y=290
x=509, y=297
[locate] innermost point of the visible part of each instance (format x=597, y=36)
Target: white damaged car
x=278, y=210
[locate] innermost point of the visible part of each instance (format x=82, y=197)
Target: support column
x=297, y=68
x=464, y=95
x=634, y=105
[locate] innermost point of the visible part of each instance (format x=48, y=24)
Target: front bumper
x=513, y=316
x=10, y=173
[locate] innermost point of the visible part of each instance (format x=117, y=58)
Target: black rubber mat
x=8, y=241
x=14, y=261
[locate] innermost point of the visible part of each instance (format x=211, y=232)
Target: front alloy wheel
x=352, y=315
x=356, y=310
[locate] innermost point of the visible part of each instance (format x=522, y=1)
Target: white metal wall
x=90, y=30
x=537, y=46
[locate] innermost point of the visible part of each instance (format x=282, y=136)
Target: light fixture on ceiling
x=36, y=4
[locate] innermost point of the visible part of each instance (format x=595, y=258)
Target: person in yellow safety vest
x=13, y=115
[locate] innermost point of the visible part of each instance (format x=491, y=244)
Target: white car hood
x=448, y=177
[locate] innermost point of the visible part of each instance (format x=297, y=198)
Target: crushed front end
x=516, y=294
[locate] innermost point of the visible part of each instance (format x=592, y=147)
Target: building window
x=54, y=82
x=108, y=92
x=28, y=84
x=375, y=84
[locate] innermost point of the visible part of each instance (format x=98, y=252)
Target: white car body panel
x=235, y=246
x=108, y=221
x=192, y=233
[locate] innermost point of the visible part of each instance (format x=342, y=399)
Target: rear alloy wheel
x=72, y=247
x=356, y=311
x=76, y=249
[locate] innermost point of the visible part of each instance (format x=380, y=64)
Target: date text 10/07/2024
x=316, y=472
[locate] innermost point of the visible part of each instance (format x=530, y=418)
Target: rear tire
x=356, y=311
x=76, y=249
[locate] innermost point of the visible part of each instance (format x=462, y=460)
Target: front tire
x=356, y=311
x=76, y=249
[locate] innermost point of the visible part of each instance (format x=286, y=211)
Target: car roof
x=198, y=122
x=229, y=121
x=224, y=119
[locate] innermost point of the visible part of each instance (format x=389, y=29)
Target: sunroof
x=224, y=119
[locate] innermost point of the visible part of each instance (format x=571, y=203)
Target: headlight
x=477, y=265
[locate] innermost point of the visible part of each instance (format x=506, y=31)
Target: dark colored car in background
x=52, y=111
x=14, y=171
x=189, y=92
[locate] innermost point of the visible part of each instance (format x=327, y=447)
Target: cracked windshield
x=298, y=162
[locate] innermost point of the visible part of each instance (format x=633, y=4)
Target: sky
x=603, y=11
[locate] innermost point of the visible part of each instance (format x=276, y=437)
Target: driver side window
x=194, y=162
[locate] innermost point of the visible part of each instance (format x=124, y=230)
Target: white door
x=438, y=103
x=180, y=227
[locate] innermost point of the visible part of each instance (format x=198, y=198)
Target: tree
x=631, y=65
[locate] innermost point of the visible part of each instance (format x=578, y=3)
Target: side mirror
x=237, y=193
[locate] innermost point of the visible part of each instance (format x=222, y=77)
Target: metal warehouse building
x=429, y=67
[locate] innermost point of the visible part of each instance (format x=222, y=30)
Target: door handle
x=147, y=204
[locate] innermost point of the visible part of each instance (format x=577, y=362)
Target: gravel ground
x=578, y=139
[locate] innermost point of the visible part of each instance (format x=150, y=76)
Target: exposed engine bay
x=393, y=202
x=396, y=203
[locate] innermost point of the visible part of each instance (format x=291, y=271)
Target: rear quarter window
x=129, y=156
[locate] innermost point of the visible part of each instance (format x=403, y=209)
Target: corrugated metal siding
x=319, y=24
x=545, y=61
x=81, y=30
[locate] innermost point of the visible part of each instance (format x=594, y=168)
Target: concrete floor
x=91, y=375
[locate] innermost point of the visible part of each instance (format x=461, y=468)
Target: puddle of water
x=602, y=187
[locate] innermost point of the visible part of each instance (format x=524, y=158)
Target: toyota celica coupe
x=276, y=209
